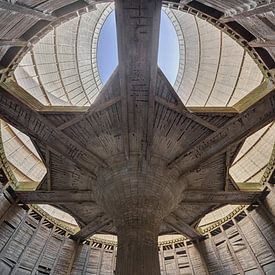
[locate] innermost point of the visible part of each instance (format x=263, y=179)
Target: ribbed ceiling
x=214, y=69
x=61, y=69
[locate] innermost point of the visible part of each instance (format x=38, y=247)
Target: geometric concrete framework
x=74, y=43
x=138, y=162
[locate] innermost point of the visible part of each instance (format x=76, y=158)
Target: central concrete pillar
x=137, y=252
x=137, y=198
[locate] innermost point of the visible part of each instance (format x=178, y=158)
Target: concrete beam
x=189, y=115
x=213, y=110
x=256, y=11
x=55, y=197
x=262, y=43
x=237, y=129
x=36, y=126
x=181, y=227
x=138, y=24
x=188, y=197
x=91, y=228
x=13, y=43
x=23, y=10
x=218, y=197
x=93, y=109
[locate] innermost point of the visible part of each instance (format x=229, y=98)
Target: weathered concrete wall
x=28, y=245
x=246, y=247
x=94, y=260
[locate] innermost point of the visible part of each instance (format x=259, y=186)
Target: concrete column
x=137, y=252
x=137, y=199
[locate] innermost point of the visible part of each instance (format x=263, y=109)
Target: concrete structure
x=137, y=161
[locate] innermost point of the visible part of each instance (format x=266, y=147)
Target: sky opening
x=168, y=55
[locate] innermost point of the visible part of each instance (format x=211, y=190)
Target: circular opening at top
x=168, y=55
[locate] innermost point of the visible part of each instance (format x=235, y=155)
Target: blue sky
x=168, y=58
